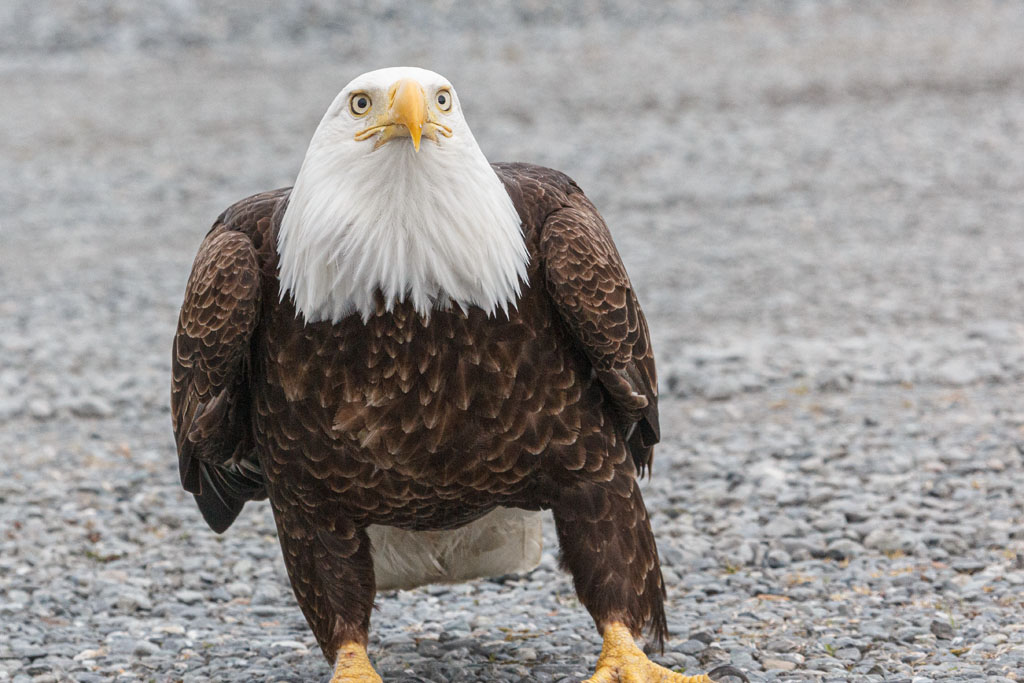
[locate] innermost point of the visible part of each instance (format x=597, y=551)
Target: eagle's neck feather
x=431, y=228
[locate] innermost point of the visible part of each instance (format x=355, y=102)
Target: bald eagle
x=410, y=353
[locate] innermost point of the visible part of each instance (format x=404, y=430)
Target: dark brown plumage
x=425, y=424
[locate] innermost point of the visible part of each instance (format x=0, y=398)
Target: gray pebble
x=844, y=549
x=40, y=409
x=91, y=407
x=942, y=629
x=777, y=558
x=189, y=597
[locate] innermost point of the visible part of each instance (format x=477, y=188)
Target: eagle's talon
x=352, y=665
x=621, y=661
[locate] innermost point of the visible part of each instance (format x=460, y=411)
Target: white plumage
x=431, y=227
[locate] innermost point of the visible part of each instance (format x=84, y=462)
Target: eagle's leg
x=331, y=570
x=608, y=547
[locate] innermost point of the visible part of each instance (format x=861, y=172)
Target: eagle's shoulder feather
x=211, y=358
x=587, y=282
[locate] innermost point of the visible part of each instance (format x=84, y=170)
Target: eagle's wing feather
x=211, y=360
x=588, y=284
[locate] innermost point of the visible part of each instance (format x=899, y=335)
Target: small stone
x=266, y=610
x=833, y=381
x=90, y=654
x=777, y=665
x=942, y=629
x=144, y=648
x=721, y=387
x=741, y=556
x=777, y=558
x=91, y=407
x=266, y=594
x=889, y=541
x=692, y=647
x=243, y=566
x=239, y=589
x=780, y=527
x=40, y=409
x=968, y=566
x=133, y=601
x=189, y=597
x=830, y=522
x=843, y=549
x=848, y=654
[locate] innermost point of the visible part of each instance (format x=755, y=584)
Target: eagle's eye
x=359, y=103
x=443, y=99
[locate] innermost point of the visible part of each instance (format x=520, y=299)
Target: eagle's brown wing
x=211, y=362
x=588, y=283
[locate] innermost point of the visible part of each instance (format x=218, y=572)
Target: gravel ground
x=820, y=204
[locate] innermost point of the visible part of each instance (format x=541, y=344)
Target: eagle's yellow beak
x=406, y=114
x=408, y=107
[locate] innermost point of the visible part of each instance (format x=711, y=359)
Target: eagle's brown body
x=425, y=423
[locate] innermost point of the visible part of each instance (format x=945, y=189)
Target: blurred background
x=820, y=204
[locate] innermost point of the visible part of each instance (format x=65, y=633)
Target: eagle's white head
x=394, y=194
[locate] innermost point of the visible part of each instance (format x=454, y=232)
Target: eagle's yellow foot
x=353, y=666
x=621, y=661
